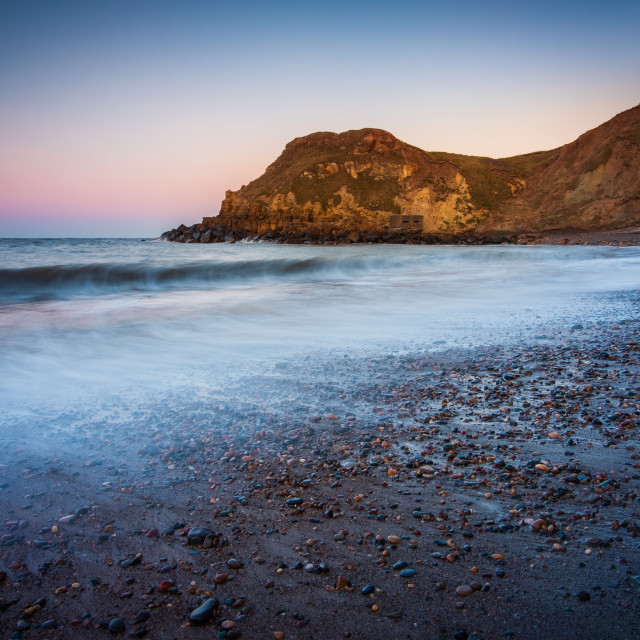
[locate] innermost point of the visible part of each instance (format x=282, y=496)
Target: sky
x=126, y=118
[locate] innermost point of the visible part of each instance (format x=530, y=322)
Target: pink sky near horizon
x=129, y=127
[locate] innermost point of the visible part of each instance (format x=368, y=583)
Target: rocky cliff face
x=368, y=185
x=368, y=182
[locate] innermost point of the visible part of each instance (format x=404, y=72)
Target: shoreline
x=506, y=483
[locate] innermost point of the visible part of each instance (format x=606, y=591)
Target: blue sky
x=126, y=118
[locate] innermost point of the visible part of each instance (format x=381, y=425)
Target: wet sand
x=485, y=493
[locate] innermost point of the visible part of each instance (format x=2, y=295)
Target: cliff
x=368, y=185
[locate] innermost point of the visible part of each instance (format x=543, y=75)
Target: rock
x=538, y=524
x=117, y=625
x=342, y=583
x=204, y=612
x=165, y=585
x=369, y=589
x=142, y=616
x=130, y=562
x=394, y=539
x=464, y=590
x=234, y=563
x=197, y=535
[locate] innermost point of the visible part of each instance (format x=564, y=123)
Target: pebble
x=142, y=616
x=342, y=583
x=204, y=612
x=464, y=590
x=117, y=625
x=234, y=563
x=197, y=535
x=394, y=539
x=408, y=573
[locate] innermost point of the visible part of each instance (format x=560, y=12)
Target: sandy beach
x=481, y=493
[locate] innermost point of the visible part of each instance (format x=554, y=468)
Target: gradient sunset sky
x=126, y=118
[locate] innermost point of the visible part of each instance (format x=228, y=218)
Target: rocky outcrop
x=367, y=185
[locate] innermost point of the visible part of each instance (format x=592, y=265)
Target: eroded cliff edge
x=366, y=185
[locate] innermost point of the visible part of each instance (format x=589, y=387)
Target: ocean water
x=113, y=319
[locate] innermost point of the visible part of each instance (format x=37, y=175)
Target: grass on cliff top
x=284, y=174
x=377, y=195
x=489, y=179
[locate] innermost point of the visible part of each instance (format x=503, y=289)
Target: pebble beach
x=491, y=492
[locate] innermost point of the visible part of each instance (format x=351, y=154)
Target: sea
x=102, y=326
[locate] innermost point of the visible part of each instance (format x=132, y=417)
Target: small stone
x=583, y=596
x=165, y=585
x=394, y=539
x=342, y=583
x=142, y=616
x=204, y=612
x=227, y=625
x=198, y=534
x=278, y=635
x=234, y=563
x=117, y=625
x=221, y=578
x=367, y=590
x=464, y=590
x=408, y=573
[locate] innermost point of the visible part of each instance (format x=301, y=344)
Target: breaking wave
x=63, y=281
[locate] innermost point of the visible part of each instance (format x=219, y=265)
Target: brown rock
x=342, y=583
